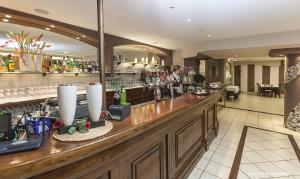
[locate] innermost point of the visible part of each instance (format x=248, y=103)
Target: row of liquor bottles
x=47, y=64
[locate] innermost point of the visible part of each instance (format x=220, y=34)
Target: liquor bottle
x=3, y=67
x=116, y=98
x=11, y=65
x=89, y=67
x=123, y=97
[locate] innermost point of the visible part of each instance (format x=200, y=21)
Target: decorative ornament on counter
x=94, y=98
x=292, y=73
x=293, y=120
x=91, y=134
x=67, y=97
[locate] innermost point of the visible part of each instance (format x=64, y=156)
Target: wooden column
x=100, y=19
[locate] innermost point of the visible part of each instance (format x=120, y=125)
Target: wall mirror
x=135, y=58
x=32, y=68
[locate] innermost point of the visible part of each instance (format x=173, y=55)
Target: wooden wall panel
x=187, y=136
x=150, y=165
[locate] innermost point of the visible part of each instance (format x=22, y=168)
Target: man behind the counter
x=175, y=78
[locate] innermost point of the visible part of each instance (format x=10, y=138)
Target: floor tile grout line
x=293, y=143
x=254, y=111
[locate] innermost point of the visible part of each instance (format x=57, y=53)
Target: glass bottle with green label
x=123, y=97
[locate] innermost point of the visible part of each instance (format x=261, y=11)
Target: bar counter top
x=54, y=154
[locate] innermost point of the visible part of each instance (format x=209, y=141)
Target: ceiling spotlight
x=8, y=16
x=208, y=35
x=189, y=20
x=47, y=28
x=52, y=26
x=41, y=11
x=5, y=20
x=77, y=38
x=83, y=36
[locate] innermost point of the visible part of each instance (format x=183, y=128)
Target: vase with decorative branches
x=27, y=46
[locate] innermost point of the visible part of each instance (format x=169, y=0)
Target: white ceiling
x=153, y=22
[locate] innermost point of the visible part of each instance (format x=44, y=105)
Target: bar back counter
x=158, y=141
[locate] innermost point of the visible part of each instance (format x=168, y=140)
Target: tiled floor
x=258, y=103
x=257, y=160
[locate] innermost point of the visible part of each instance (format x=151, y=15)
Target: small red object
x=58, y=124
x=104, y=114
x=88, y=125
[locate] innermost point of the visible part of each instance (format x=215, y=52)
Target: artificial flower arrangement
x=81, y=125
x=26, y=46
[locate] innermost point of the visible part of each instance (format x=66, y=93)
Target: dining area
x=268, y=90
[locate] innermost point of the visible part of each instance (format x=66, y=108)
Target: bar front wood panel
x=163, y=140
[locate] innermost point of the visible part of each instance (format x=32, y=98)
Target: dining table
x=274, y=89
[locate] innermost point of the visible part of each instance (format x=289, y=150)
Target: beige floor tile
x=195, y=174
x=258, y=103
x=218, y=170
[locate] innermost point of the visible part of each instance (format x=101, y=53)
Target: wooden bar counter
x=158, y=141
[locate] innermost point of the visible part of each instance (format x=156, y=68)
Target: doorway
x=251, y=76
x=237, y=76
x=266, y=74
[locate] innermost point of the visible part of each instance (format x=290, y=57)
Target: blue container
x=35, y=125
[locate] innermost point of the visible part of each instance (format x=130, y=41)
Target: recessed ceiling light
x=52, y=26
x=77, y=38
x=66, y=52
x=47, y=28
x=172, y=7
x=189, y=20
x=8, y=16
x=41, y=11
x=208, y=35
x=5, y=20
x=83, y=36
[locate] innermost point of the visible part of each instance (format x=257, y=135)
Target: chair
x=258, y=89
x=276, y=91
x=268, y=91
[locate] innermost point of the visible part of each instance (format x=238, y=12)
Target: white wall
x=258, y=75
x=177, y=58
x=244, y=78
x=274, y=76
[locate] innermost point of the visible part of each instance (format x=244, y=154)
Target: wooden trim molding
x=238, y=156
x=283, y=52
x=72, y=31
x=69, y=30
